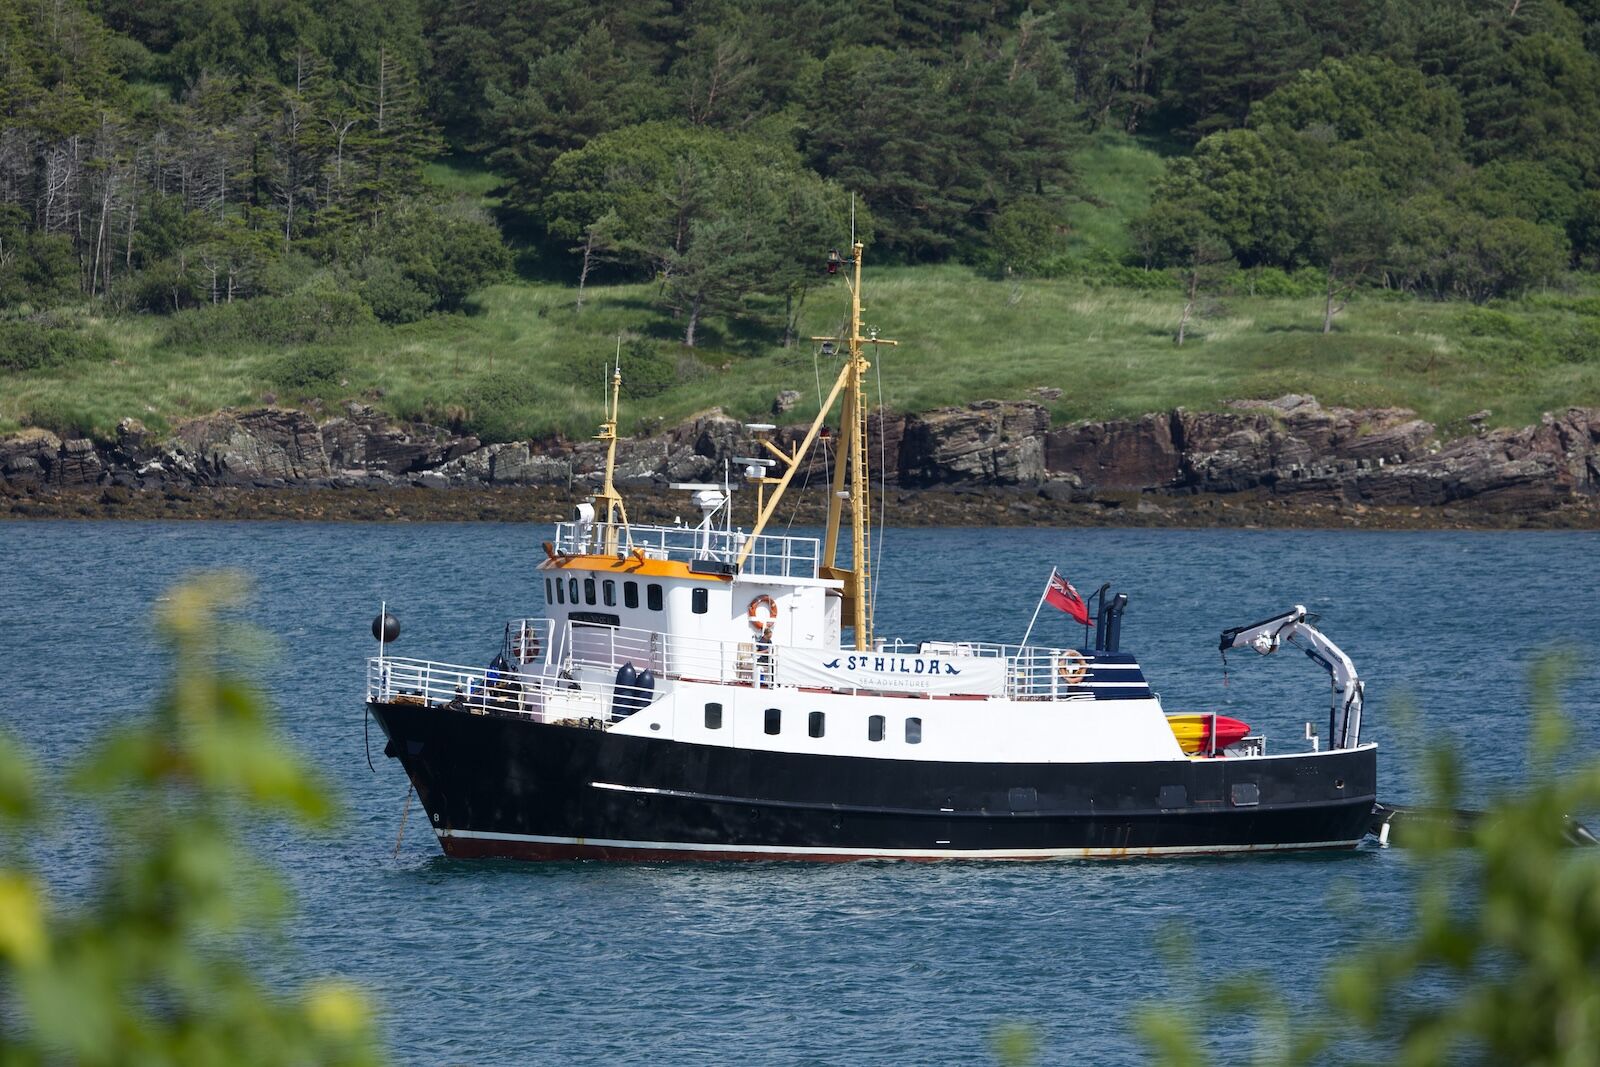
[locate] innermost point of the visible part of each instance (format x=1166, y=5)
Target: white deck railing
x=393, y=680
x=670, y=656
x=556, y=685
x=772, y=555
x=1032, y=672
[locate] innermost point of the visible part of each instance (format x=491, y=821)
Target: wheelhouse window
x=653, y=596
x=913, y=731
x=549, y=592
x=588, y=591
x=572, y=588
x=774, y=720
x=608, y=591
x=630, y=594
x=816, y=724
x=561, y=591
x=701, y=601
x=875, y=727
x=713, y=716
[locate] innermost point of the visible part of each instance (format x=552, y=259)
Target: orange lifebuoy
x=763, y=614
x=526, y=647
x=1072, y=666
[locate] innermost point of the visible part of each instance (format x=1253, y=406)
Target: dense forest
x=255, y=168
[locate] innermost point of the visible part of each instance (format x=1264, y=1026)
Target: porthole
x=875, y=727
x=816, y=724
x=713, y=716
x=913, y=731
x=774, y=720
x=630, y=594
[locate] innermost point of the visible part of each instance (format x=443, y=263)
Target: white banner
x=891, y=671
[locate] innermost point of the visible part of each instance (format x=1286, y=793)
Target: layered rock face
x=1291, y=447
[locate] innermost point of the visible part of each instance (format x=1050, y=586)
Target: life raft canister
x=763, y=613
x=1072, y=666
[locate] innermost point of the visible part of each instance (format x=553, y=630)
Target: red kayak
x=1193, y=731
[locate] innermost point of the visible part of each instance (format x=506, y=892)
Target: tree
x=1186, y=239
x=446, y=250
x=731, y=249
x=602, y=243
x=1445, y=250
x=150, y=964
x=1106, y=45
x=1218, y=57
x=1259, y=196
x=1364, y=97
x=1351, y=245
x=936, y=153
x=571, y=97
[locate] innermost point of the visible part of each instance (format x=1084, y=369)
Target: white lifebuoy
x=1072, y=666
x=763, y=613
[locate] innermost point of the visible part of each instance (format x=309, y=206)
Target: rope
x=401, y=836
x=883, y=493
x=827, y=462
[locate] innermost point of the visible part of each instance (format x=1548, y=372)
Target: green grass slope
x=527, y=363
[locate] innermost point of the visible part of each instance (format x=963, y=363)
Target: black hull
x=505, y=786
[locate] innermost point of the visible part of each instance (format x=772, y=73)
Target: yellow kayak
x=1193, y=731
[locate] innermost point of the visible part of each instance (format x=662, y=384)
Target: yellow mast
x=608, y=494
x=850, y=469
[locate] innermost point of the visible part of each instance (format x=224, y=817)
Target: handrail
x=770, y=555
x=393, y=680
x=1032, y=672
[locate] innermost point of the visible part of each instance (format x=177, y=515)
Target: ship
x=703, y=691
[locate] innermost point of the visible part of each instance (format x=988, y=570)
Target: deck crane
x=1344, y=716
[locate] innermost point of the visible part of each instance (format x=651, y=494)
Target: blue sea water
x=778, y=963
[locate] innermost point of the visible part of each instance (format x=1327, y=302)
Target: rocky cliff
x=1291, y=448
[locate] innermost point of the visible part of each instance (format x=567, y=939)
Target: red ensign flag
x=1060, y=594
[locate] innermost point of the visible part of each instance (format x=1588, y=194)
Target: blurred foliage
x=1499, y=963
x=153, y=965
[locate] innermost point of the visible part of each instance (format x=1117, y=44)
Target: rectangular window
x=713, y=716
x=874, y=727
x=561, y=591
x=913, y=731
x=630, y=594
x=572, y=588
x=817, y=724
x=549, y=592
x=608, y=590
x=588, y=591
x=700, y=601
x=774, y=720
x=653, y=596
